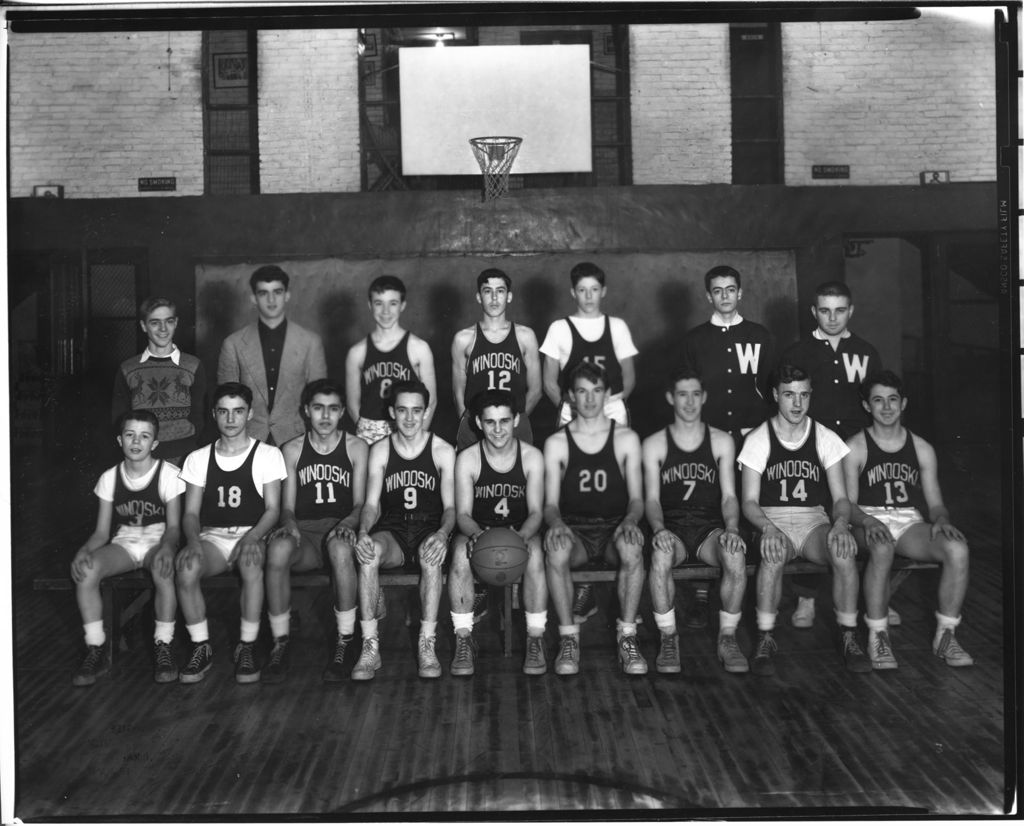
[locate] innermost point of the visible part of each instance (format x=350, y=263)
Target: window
x=230, y=136
x=756, y=74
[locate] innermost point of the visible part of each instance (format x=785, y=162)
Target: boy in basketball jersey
x=499, y=482
x=140, y=502
x=388, y=355
x=407, y=520
x=837, y=361
x=232, y=500
x=791, y=469
x=892, y=479
x=691, y=506
x=321, y=500
x=589, y=335
x=593, y=502
x=495, y=354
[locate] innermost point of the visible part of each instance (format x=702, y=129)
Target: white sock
x=568, y=630
x=536, y=623
x=369, y=628
x=766, y=620
x=624, y=629
x=666, y=622
x=346, y=621
x=249, y=631
x=876, y=625
x=462, y=622
x=847, y=619
x=94, y=633
x=163, y=632
x=727, y=622
x=198, y=632
x=280, y=624
x=428, y=628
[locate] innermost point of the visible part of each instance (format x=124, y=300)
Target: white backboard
x=452, y=94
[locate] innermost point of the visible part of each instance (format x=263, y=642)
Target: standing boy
x=274, y=357
x=232, y=499
x=388, y=355
x=892, y=478
x=322, y=498
x=407, y=520
x=140, y=500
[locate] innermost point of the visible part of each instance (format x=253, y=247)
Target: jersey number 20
x=589, y=482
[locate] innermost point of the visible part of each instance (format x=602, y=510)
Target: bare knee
x=955, y=553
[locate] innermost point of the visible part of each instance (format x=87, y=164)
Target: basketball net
x=495, y=156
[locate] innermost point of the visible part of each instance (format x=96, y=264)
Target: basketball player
x=892, y=478
x=499, y=482
x=165, y=380
x=837, y=361
x=274, y=357
x=407, y=520
x=734, y=357
x=593, y=502
x=791, y=469
x=388, y=355
x=232, y=500
x=321, y=500
x=691, y=506
x=140, y=499
x=495, y=354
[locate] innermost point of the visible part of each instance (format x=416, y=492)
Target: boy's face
x=494, y=296
x=498, y=424
x=794, y=400
x=270, y=298
x=137, y=439
x=159, y=327
x=687, y=399
x=408, y=411
x=386, y=308
x=587, y=293
x=324, y=411
x=231, y=414
x=885, y=404
x=724, y=294
x=588, y=397
x=833, y=314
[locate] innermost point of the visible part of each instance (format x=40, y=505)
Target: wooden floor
x=812, y=740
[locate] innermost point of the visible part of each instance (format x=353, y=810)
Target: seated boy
x=140, y=499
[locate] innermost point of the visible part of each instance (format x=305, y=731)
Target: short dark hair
x=683, y=372
x=323, y=386
x=493, y=272
x=137, y=415
x=383, y=283
x=588, y=370
x=721, y=271
x=886, y=378
x=268, y=273
x=155, y=303
x=409, y=386
x=837, y=288
x=586, y=269
x=493, y=398
x=232, y=388
x=787, y=373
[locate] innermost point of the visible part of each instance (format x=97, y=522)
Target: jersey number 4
x=798, y=492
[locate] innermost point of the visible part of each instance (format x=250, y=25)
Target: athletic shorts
x=693, y=531
x=138, y=540
x=897, y=520
x=797, y=523
x=595, y=535
x=468, y=435
x=315, y=531
x=373, y=430
x=409, y=532
x=224, y=539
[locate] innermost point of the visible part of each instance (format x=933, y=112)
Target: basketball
x=499, y=556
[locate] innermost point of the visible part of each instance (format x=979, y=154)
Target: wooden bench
x=116, y=613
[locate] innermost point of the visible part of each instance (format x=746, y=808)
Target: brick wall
x=308, y=111
x=681, y=120
x=890, y=99
x=97, y=111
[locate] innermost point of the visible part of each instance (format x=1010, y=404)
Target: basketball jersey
x=324, y=482
x=794, y=478
x=138, y=507
x=380, y=370
x=689, y=479
x=411, y=486
x=892, y=480
x=600, y=352
x=496, y=366
x=230, y=498
x=593, y=485
x=499, y=499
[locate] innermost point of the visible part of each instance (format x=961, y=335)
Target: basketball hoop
x=495, y=156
